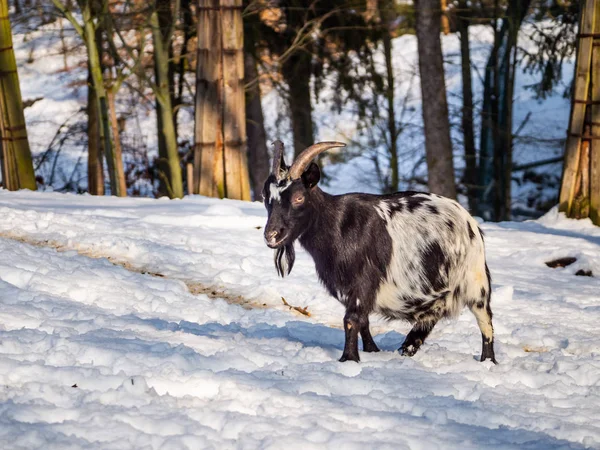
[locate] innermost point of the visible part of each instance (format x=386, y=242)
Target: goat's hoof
x=491, y=358
x=408, y=350
x=345, y=358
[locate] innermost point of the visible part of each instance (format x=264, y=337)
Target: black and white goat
x=410, y=255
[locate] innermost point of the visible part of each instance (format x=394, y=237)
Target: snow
x=41, y=70
x=108, y=339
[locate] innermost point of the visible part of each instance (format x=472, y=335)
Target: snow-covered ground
x=128, y=353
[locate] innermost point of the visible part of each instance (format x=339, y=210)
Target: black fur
x=471, y=232
x=432, y=259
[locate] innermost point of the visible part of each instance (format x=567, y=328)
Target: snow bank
x=98, y=355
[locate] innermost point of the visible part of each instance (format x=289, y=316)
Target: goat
x=410, y=255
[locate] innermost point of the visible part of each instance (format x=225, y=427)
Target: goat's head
x=287, y=196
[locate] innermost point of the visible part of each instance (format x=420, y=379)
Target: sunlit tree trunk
x=17, y=165
x=220, y=160
x=208, y=130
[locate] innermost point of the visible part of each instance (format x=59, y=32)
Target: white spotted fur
x=411, y=232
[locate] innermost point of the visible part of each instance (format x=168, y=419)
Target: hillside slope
x=131, y=353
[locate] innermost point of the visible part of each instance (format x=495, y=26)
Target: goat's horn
x=304, y=158
x=277, y=158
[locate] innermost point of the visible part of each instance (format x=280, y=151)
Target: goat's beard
x=284, y=266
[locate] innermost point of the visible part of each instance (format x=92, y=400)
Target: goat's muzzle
x=274, y=239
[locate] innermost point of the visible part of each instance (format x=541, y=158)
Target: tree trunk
x=581, y=84
x=237, y=181
x=208, y=134
x=183, y=65
x=104, y=127
x=169, y=167
x=220, y=158
x=390, y=98
x=95, y=166
x=438, y=146
x=17, y=162
x=470, y=175
x=165, y=19
x=595, y=128
x=296, y=72
x=496, y=125
x=117, y=142
x=258, y=155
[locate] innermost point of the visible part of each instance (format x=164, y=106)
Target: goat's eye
x=298, y=200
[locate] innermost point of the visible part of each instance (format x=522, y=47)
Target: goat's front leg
x=352, y=326
x=369, y=344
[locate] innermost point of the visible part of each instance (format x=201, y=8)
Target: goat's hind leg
x=416, y=337
x=483, y=313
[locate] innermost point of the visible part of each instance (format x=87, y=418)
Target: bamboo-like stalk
x=189, y=168
x=170, y=159
x=89, y=33
x=595, y=129
x=445, y=23
x=17, y=164
x=582, y=81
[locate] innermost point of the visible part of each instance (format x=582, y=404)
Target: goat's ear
x=311, y=176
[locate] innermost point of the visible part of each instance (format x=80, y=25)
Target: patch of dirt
x=194, y=287
x=529, y=349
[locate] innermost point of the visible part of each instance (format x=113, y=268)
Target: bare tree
x=258, y=155
x=162, y=22
x=93, y=16
x=438, y=147
x=470, y=175
x=495, y=160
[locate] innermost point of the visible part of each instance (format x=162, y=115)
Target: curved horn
x=304, y=158
x=277, y=158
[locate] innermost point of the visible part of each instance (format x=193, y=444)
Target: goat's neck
x=318, y=237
